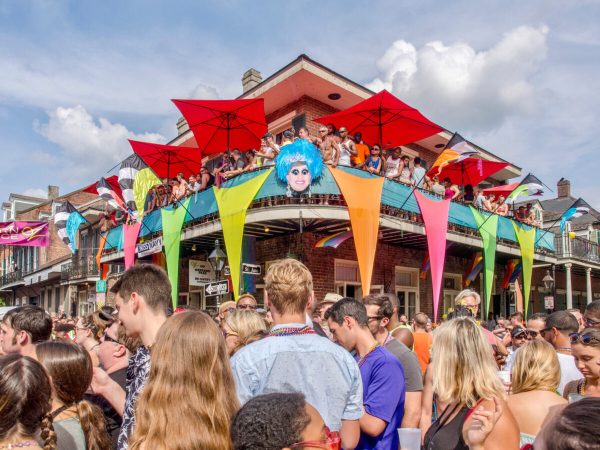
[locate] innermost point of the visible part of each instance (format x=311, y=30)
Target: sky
x=78, y=78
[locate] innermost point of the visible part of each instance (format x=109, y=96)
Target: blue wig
x=301, y=150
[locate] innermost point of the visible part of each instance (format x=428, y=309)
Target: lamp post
x=217, y=260
x=549, y=285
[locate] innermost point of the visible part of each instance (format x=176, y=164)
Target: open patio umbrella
x=384, y=119
x=504, y=190
x=471, y=171
x=166, y=161
x=221, y=125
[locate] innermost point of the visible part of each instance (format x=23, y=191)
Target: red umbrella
x=220, y=125
x=384, y=119
x=501, y=190
x=471, y=171
x=113, y=181
x=168, y=160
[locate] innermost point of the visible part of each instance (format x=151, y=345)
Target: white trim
x=282, y=123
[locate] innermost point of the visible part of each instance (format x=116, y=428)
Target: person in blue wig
x=298, y=164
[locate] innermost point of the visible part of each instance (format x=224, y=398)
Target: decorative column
x=569, y=290
x=588, y=284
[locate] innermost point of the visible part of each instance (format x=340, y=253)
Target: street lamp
x=217, y=257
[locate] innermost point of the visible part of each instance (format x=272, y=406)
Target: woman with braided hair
x=24, y=410
x=79, y=424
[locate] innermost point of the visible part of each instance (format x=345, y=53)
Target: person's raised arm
x=106, y=387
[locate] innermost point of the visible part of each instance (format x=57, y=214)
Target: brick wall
x=304, y=105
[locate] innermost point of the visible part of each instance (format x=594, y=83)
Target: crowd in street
x=297, y=374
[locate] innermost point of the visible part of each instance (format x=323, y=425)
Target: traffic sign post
x=549, y=302
x=216, y=288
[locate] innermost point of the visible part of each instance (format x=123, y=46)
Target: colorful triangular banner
x=488, y=229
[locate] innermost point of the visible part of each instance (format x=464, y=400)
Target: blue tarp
x=394, y=195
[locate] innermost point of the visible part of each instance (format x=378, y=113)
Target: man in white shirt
x=559, y=326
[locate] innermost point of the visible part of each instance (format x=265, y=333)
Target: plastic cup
x=410, y=438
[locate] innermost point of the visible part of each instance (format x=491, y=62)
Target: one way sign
x=216, y=288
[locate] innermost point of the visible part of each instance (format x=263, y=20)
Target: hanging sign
x=150, y=247
x=251, y=269
x=216, y=288
x=101, y=286
x=549, y=302
x=201, y=272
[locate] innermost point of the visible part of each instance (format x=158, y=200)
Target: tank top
x=391, y=166
x=344, y=154
x=447, y=435
x=448, y=193
x=373, y=163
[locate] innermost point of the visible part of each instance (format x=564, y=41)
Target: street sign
x=226, y=271
x=549, y=302
x=251, y=269
x=216, y=288
x=150, y=247
x=101, y=286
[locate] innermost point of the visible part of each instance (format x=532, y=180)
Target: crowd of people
x=297, y=374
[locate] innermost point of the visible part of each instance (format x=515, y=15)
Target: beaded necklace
x=291, y=331
x=363, y=358
x=19, y=444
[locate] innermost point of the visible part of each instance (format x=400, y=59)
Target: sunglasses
x=369, y=318
x=522, y=335
x=332, y=442
x=297, y=172
x=107, y=338
x=585, y=339
x=591, y=323
x=253, y=307
x=531, y=334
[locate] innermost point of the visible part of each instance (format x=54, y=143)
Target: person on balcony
x=268, y=150
x=347, y=148
x=405, y=170
x=451, y=190
x=373, y=162
x=393, y=164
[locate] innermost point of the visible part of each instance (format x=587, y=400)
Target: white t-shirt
x=392, y=167
x=568, y=371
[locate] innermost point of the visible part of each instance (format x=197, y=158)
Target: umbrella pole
x=380, y=131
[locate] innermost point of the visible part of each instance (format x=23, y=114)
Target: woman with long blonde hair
x=190, y=397
x=535, y=378
x=241, y=328
x=465, y=378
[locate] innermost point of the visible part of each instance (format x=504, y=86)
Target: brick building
x=278, y=227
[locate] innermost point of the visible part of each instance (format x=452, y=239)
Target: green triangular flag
x=526, y=237
x=487, y=227
x=172, y=223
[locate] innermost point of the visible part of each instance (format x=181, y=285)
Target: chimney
x=251, y=78
x=564, y=188
x=53, y=192
x=182, y=126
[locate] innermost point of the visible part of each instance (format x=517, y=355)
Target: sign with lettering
x=24, y=234
x=101, y=286
x=549, y=302
x=201, y=272
x=226, y=271
x=217, y=288
x=251, y=269
x=150, y=247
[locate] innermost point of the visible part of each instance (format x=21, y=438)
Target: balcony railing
x=79, y=268
x=11, y=277
x=577, y=248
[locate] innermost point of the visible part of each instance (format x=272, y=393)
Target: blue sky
x=77, y=78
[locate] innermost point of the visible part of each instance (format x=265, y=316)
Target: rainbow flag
x=512, y=271
x=473, y=269
x=334, y=240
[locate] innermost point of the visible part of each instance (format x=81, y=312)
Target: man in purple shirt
x=381, y=372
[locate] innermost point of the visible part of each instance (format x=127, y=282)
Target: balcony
x=79, y=268
x=11, y=277
x=577, y=248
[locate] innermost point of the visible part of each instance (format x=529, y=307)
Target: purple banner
x=24, y=234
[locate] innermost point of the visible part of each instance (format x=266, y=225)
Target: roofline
x=299, y=59
x=25, y=197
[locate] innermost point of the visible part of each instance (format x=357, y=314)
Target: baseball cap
x=331, y=297
x=287, y=134
x=516, y=331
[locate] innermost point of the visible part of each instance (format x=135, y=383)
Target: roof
x=555, y=207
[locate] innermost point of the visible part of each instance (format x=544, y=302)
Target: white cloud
x=36, y=192
x=88, y=147
x=205, y=92
x=463, y=87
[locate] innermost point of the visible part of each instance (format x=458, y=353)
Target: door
x=407, y=301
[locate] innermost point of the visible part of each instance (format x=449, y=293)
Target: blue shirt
x=383, y=397
x=324, y=372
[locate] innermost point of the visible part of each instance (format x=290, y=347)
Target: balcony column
x=569, y=289
x=588, y=284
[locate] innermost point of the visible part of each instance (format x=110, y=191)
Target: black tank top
x=444, y=435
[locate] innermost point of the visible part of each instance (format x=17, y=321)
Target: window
x=407, y=291
x=347, y=280
x=452, y=284
x=346, y=271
